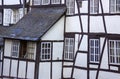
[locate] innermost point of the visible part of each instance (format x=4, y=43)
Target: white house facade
x=64, y=39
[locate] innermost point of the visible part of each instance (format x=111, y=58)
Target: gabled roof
x=36, y=23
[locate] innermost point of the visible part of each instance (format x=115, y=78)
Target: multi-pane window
x=55, y=1
x=15, y=48
x=114, y=51
x=16, y=15
x=46, y=50
x=114, y=5
x=45, y=2
x=11, y=16
x=69, y=49
x=94, y=50
x=94, y=4
x=30, y=54
x=70, y=7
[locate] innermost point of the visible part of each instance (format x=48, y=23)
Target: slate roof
x=2, y=33
x=36, y=23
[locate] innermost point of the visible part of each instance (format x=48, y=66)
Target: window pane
x=69, y=48
x=70, y=7
x=46, y=50
x=94, y=50
x=15, y=48
x=94, y=6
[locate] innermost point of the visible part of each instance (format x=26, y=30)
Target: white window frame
x=55, y=1
x=94, y=6
x=15, y=48
x=45, y=2
x=69, y=49
x=70, y=7
x=16, y=15
x=114, y=56
x=46, y=50
x=94, y=50
x=113, y=6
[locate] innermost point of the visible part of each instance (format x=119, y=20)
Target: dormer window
x=114, y=6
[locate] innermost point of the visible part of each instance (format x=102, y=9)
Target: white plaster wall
x=104, y=63
x=56, y=70
x=10, y=2
x=76, y=9
x=84, y=43
x=57, y=50
x=73, y=24
x=30, y=70
x=105, y=4
x=113, y=68
x=7, y=48
x=113, y=24
x=84, y=23
x=14, y=68
x=81, y=60
x=0, y=2
x=67, y=72
x=80, y=74
x=77, y=37
x=96, y=24
x=22, y=69
x=6, y=67
x=44, y=70
x=56, y=32
x=93, y=74
x=108, y=75
x=84, y=8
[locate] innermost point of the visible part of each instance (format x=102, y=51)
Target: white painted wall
x=44, y=70
x=56, y=70
x=10, y=2
x=108, y=75
x=30, y=70
x=73, y=24
x=57, y=51
x=14, y=68
x=56, y=32
x=7, y=48
x=6, y=67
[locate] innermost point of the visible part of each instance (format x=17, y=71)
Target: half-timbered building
x=64, y=39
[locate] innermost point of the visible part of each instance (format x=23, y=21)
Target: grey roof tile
x=36, y=23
